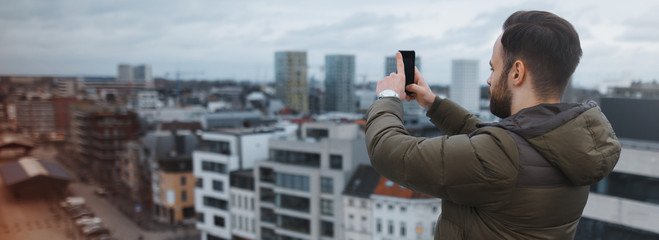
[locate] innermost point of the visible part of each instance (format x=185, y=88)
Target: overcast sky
x=237, y=39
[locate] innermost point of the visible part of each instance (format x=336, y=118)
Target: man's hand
x=422, y=93
x=395, y=81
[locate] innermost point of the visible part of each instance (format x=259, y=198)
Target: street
x=120, y=226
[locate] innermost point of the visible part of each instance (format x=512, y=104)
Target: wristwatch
x=388, y=93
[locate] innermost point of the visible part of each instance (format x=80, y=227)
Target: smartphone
x=408, y=60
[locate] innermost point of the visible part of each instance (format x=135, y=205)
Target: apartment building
x=357, y=203
x=300, y=186
x=400, y=213
x=221, y=152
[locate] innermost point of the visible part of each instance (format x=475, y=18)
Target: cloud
x=237, y=39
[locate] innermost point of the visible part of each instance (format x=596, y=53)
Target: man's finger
x=417, y=77
x=400, y=66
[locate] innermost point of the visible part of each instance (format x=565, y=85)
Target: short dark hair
x=548, y=45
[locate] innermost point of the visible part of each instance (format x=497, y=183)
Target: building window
x=293, y=202
x=219, y=221
x=267, y=175
x=296, y=158
x=200, y=217
x=391, y=207
x=364, y=205
x=218, y=186
x=327, y=185
x=402, y=209
x=220, y=147
x=317, y=133
x=268, y=215
x=327, y=228
x=183, y=180
x=402, y=229
x=378, y=225
x=336, y=162
x=350, y=202
x=378, y=205
x=184, y=196
x=199, y=183
x=391, y=227
x=216, y=203
x=364, y=223
x=297, y=182
x=213, y=167
x=631, y=186
x=326, y=207
x=293, y=223
x=267, y=195
x=389, y=183
x=213, y=237
x=595, y=229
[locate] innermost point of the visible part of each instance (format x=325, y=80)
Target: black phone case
x=408, y=59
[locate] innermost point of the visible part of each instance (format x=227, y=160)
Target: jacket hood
x=576, y=138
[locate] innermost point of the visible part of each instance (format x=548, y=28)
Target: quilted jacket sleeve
x=476, y=170
x=451, y=118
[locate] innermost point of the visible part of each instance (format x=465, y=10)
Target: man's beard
x=501, y=98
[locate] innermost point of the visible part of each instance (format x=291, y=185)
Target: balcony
x=215, y=147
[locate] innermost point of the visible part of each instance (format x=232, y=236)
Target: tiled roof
x=8, y=140
x=389, y=188
x=363, y=182
x=27, y=168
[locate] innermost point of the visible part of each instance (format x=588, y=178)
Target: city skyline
x=235, y=40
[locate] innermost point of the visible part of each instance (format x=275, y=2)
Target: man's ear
x=518, y=72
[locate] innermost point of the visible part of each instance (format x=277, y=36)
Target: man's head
x=534, y=45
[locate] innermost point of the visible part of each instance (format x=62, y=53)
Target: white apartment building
x=243, y=216
x=148, y=100
x=357, y=203
x=400, y=213
x=300, y=187
x=221, y=152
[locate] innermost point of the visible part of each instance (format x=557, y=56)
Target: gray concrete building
x=299, y=188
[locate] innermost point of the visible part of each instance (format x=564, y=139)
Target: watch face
x=388, y=93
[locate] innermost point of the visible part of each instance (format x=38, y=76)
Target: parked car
x=84, y=221
x=104, y=236
x=81, y=212
x=101, y=191
x=94, y=230
x=75, y=208
x=72, y=201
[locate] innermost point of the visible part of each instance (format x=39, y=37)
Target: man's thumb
x=412, y=88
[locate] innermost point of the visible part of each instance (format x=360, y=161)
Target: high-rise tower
x=465, y=89
x=339, y=83
x=291, y=80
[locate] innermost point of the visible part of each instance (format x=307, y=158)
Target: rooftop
x=8, y=140
x=363, y=182
x=389, y=188
x=29, y=167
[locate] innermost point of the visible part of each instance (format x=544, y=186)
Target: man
x=525, y=177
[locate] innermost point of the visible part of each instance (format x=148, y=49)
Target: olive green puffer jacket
x=525, y=177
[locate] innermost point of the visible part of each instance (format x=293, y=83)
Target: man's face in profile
x=500, y=94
